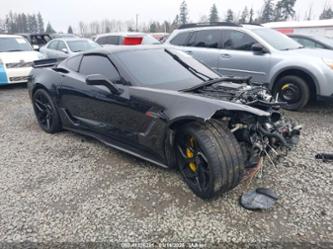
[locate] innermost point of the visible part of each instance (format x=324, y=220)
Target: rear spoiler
x=46, y=62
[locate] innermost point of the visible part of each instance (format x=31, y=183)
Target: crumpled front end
x=259, y=137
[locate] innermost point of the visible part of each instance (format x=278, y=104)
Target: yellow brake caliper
x=189, y=154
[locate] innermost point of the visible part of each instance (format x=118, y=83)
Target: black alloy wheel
x=46, y=112
x=209, y=158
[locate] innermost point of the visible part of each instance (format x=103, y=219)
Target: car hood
x=26, y=56
x=320, y=53
x=187, y=104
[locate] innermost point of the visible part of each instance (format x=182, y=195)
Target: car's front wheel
x=46, y=112
x=209, y=158
x=294, y=91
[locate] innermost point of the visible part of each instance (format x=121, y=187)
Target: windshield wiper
x=219, y=80
x=188, y=67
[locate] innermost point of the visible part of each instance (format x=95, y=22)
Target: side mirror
x=100, y=80
x=259, y=49
x=64, y=50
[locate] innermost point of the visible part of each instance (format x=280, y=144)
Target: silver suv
x=294, y=74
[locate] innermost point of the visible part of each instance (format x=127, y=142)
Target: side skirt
x=117, y=147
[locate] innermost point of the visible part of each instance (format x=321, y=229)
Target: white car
x=16, y=58
x=65, y=47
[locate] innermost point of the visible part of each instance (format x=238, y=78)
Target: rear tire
x=46, y=112
x=209, y=158
x=293, y=90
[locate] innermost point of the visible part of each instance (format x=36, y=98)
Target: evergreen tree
x=70, y=30
x=40, y=23
x=175, y=23
x=230, y=16
x=183, y=15
x=326, y=14
x=214, y=15
x=268, y=11
x=153, y=27
x=251, y=19
x=24, y=23
x=244, y=16
x=284, y=9
x=49, y=29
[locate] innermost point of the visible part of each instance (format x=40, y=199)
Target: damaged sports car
x=165, y=107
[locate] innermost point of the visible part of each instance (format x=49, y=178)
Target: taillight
x=132, y=40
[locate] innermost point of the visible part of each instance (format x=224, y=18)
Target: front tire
x=209, y=158
x=46, y=112
x=293, y=90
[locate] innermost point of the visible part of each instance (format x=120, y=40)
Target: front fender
x=314, y=70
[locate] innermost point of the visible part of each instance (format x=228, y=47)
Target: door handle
x=226, y=56
x=189, y=52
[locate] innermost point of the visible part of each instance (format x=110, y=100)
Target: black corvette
x=163, y=106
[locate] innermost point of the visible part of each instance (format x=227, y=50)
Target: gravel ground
x=69, y=188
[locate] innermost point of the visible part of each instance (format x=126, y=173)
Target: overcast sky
x=62, y=13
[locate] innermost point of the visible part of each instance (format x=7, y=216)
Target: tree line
x=24, y=23
x=270, y=11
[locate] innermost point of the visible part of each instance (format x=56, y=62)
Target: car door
x=50, y=50
x=61, y=50
x=205, y=46
x=236, y=57
x=95, y=108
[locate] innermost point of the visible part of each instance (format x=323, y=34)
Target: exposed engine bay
x=260, y=137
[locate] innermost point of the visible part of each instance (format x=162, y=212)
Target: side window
x=61, y=46
x=101, y=40
x=53, y=45
x=235, y=40
x=113, y=40
x=98, y=64
x=180, y=39
x=73, y=63
x=206, y=39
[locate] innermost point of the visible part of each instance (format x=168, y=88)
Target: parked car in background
x=315, y=27
x=311, y=41
x=64, y=47
x=16, y=57
x=129, y=38
x=37, y=40
x=165, y=107
x=293, y=73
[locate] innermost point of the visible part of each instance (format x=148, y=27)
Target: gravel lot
x=69, y=188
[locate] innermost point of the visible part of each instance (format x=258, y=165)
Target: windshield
x=277, y=40
x=13, y=44
x=81, y=45
x=325, y=40
x=160, y=69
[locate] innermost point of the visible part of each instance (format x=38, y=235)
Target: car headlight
x=328, y=62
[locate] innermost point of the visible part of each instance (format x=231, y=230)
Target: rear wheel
x=46, y=112
x=209, y=158
x=293, y=90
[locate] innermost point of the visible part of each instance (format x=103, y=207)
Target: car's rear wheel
x=46, y=112
x=294, y=91
x=209, y=158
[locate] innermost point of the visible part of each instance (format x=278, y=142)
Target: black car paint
x=138, y=121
